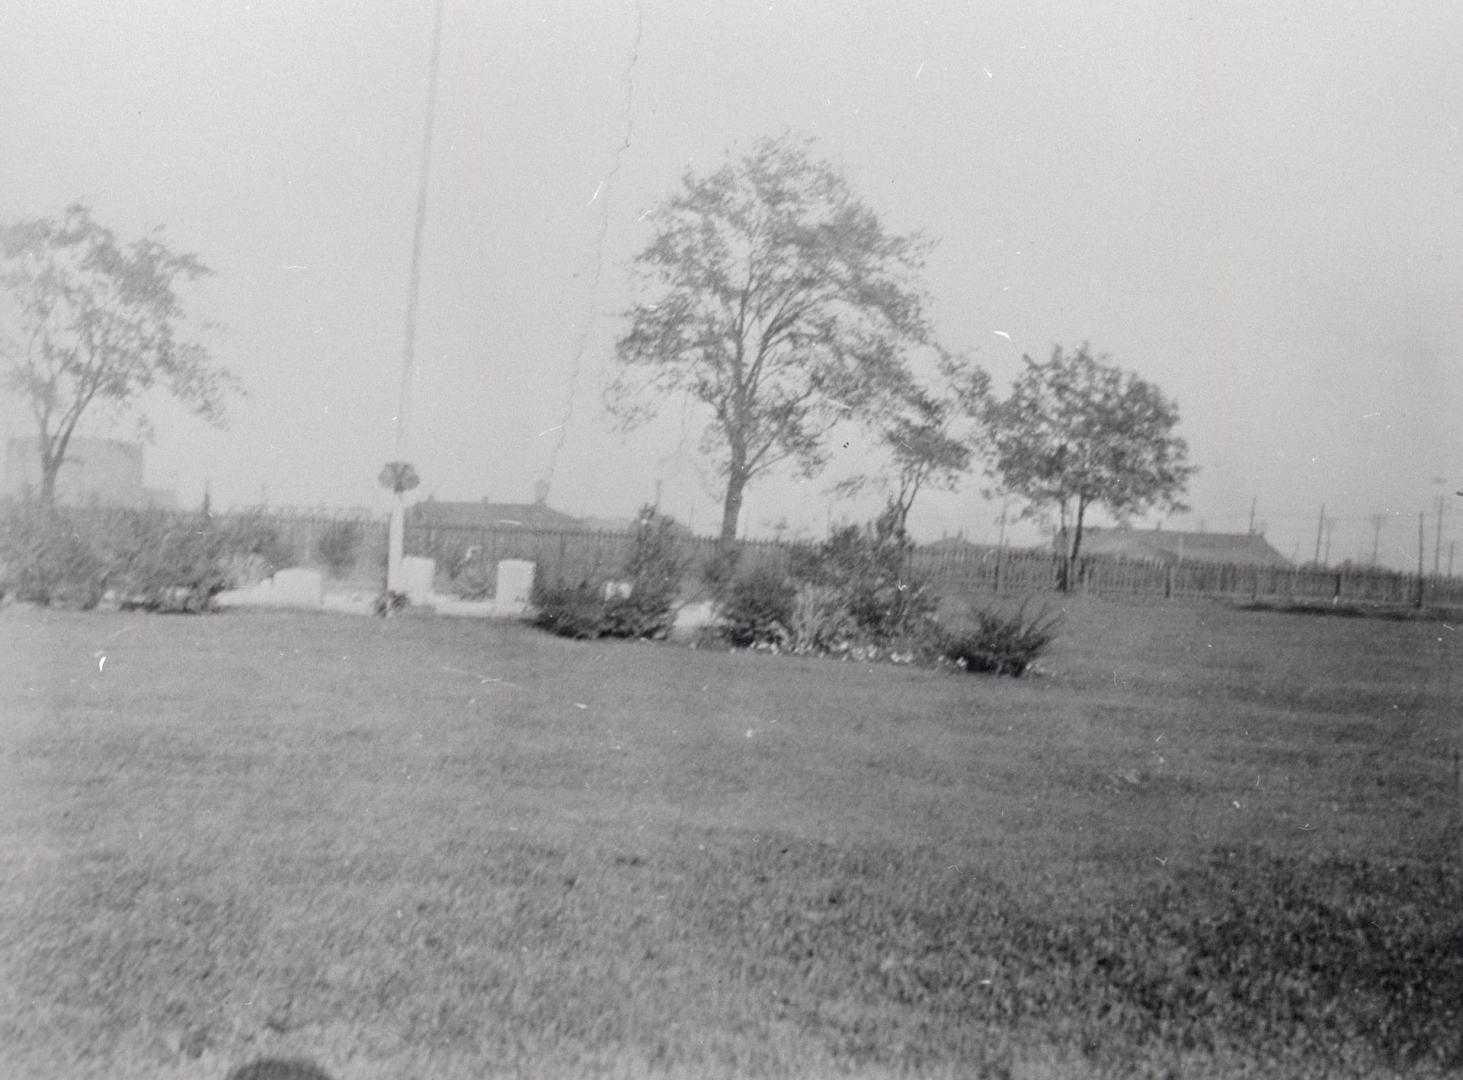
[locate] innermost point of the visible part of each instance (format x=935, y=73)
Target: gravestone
x=515, y=586
x=692, y=620
x=416, y=578
x=298, y=587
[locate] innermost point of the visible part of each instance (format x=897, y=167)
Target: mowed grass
x=1200, y=842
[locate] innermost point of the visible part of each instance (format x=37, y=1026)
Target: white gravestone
x=298, y=587
x=416, y=578
x=515, y=586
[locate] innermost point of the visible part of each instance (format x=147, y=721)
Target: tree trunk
x=1077, y=530
x=1070, y=552
x=1064, y=555
x=731, y=507
x=53, y=456
x=50, y=470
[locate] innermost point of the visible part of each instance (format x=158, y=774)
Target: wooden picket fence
x=574, y=555
x=472, y=553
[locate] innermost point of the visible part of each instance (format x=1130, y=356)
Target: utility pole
x=1254, y=499
x=1377, y=520
x=1320, y=528
x=1330, y=528
x=1421, y=541
x=1438, y=541
x=1001, y=545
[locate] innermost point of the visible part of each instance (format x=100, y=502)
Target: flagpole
x=397, y=529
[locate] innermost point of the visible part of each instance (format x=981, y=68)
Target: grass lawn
x=1200, y=842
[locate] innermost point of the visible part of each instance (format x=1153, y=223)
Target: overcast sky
x=1256, y=205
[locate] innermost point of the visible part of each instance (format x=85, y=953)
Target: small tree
x=931, y=435
x=1077, y=431
x=778, y=301
x=91, y=320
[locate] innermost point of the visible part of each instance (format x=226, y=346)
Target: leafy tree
x=777, y=300
x=931, y=435
x=93, y=319
x=1077, y=431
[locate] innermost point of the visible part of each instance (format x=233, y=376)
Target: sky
x=1257, y=206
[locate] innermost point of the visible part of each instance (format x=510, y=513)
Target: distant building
x=103, y=471
x=1164, y=545
x=626, y=525
x=487, y=514
x=958, y=545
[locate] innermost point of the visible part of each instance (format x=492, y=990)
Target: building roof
x=958, y=545
x=1164, y=545
x=485, y=515
x=103, y=471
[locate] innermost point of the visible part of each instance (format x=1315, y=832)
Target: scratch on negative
x=479, y=678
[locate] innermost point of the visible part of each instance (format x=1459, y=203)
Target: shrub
x=573, y=611
x=451, y=553
x=821, y=619
x=254, y=534
x=471, y=574
x=719, y=572
x=48, y=557
x=869, y=566
x=149, y=559
x=160, y=562
x=474, y=580
x=757, y=609
x=1000, y=643
x=337, y=546
x=653, y=571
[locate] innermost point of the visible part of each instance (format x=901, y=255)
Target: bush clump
x=851, y=594
x=338, y=545
x=1000, y=643
x=646, y=608
x=570, y=610
x=46, y=558
x=158, y=562
x=862, y=576
x=757, y=610
x=854, y=596
x=470, y=573
x=154, y=560
x=253, y=537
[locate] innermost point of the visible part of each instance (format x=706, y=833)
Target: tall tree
x=1077, y=432
x=931, y=434
x=776, y=299
x=94, y=320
